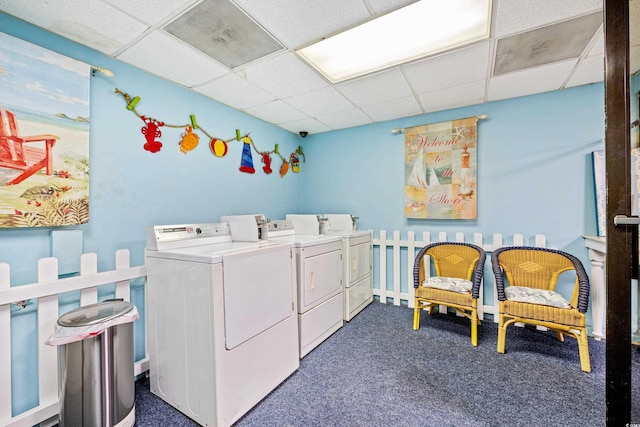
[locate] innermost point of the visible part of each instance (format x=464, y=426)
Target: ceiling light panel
x=296, y=22
x=222, y=31
x=415, y=31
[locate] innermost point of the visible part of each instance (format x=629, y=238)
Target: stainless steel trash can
x=96, y=373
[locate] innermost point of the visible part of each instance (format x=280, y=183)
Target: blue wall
x=534, y=173
x=534, y=168
x=132, y=189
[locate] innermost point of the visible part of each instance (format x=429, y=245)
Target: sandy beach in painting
x=71, y=143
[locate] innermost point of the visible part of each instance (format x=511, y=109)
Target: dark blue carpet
x=377, y=371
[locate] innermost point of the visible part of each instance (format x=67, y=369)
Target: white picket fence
x=49, y=287
x=409, y=247
x=46, y=291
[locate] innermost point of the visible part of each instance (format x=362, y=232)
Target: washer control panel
x=180, y=235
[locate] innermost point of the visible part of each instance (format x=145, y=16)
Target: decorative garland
x=219, y=147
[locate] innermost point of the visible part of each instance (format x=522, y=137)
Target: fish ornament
x=284, y=168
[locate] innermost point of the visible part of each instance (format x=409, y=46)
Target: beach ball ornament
x=218, y=147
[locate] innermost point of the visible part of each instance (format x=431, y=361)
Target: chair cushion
x=452, y=284
x=535, y=296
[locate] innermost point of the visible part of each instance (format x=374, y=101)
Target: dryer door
x=319, y=277
x=258, y=291
x=360, y=260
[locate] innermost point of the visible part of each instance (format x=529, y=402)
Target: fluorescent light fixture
x=421, y=29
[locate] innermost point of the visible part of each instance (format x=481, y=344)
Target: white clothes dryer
x=222, y=319
x=358, y=262
x=319, y=281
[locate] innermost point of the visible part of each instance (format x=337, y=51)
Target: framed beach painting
x=440, y=170
x=44, y=136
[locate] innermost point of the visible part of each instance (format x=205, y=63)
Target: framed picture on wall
x=600, y=187
x=601, y=191
x=440, y=170
x=44, y=136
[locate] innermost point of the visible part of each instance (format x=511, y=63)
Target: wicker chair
x=456, y=284
x=532, y=274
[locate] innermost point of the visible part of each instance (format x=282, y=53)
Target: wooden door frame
x=619, y=270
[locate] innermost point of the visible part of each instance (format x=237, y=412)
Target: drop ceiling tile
x=597, y=45
x=93, y=23
x=345, y=119
x=546, y=45
x=276, y=112
x=320, y=102
x=178, y=62
x=514, y=16
x=530, y=81
x=376, y=88
x=453, y=97
x=450, y=69
x=235, y=92
x=395, y=109
x=384, y=6
x=222, y=31
x=308, y=125
x=284, y=75
x=589, y=70
x=296, y=22
x=151, y=12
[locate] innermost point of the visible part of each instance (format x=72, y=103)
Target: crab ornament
x=151, y=132
x=189, y=140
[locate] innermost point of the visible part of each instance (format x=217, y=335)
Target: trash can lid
x=95, y=313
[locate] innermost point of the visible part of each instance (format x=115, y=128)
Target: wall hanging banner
x=440, y=170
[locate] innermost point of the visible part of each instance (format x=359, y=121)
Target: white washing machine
x=319, y=278
x=222, y=319
x=358, y=262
